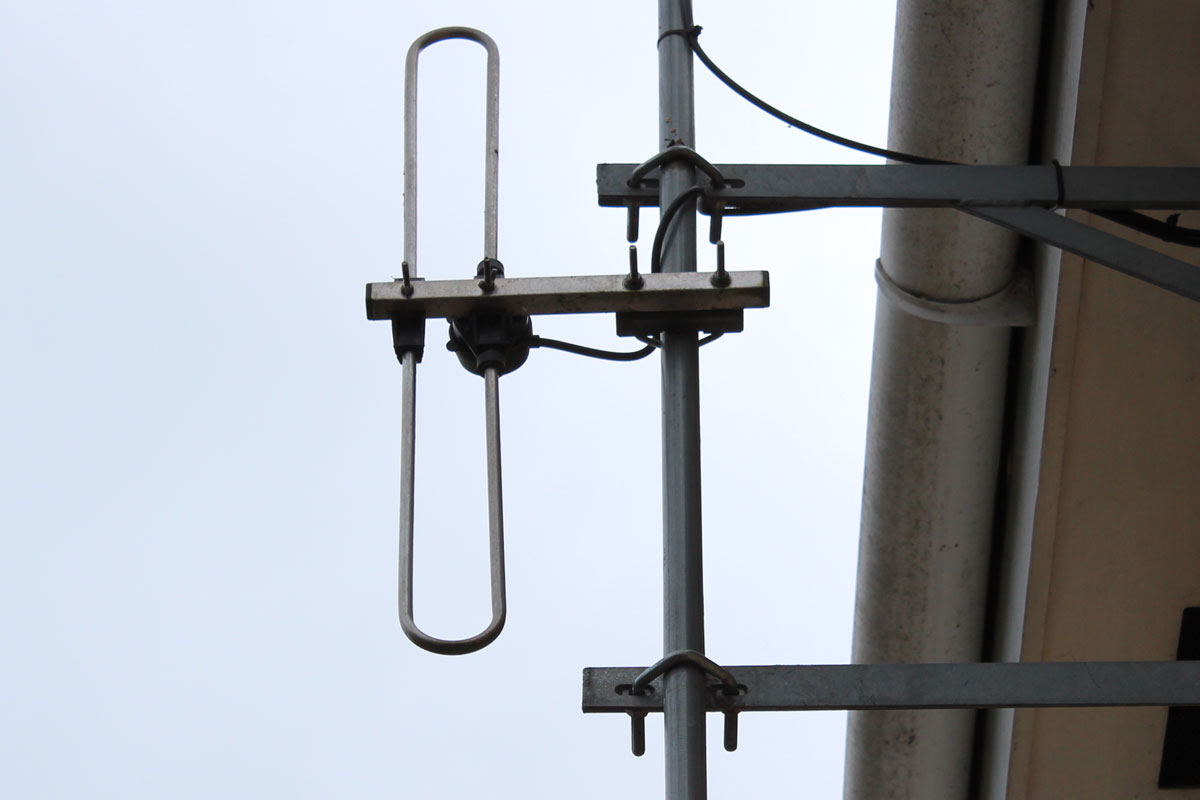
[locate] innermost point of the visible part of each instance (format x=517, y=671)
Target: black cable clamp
x=408, y=332
x=728, y=687
x=484, y=339
x=408, y=336
x=487, y=338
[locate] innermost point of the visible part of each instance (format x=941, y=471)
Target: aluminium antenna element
x=408, y=336
x=491, y=134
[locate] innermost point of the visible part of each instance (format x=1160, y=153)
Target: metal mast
x=683, y=578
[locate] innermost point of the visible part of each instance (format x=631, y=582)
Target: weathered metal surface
x=409, y=342
x=677, y=291
x=750, y=188
x=875, y=687
x=1100, y=247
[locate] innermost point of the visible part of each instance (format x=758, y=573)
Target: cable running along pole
x=683, y=580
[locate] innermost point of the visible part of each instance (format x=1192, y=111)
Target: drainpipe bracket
x=1010, y=307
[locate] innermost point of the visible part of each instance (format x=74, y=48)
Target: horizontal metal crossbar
x=1016, y=197
x=864, y=687
x=675, y=291
x=764, y=188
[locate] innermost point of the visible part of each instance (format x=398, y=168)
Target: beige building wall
x=1115, y=555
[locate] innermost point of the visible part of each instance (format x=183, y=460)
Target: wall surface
x=1115, y=546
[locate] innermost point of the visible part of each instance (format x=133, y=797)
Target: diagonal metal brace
x=1099, y=246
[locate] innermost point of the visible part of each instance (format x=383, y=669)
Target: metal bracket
x=1019, y=198
x=640, y=687
x=877, y=687
x=661, y=292
x=1013, y=306
x=651, y=323
x=678, y=152
x=655, y=303
x=772, y=188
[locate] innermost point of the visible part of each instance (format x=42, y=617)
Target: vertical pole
x=683, y=579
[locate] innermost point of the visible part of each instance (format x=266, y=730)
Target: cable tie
x=1062, y=188
x=689, y=33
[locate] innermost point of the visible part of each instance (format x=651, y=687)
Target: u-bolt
x=409, y=359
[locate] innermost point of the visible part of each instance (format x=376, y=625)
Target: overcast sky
x=201, y=429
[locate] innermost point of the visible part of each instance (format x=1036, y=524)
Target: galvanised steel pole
x=683, y=579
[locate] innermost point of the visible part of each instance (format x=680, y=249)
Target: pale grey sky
x=200, y=428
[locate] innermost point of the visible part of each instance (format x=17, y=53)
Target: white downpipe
x=962, y=90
